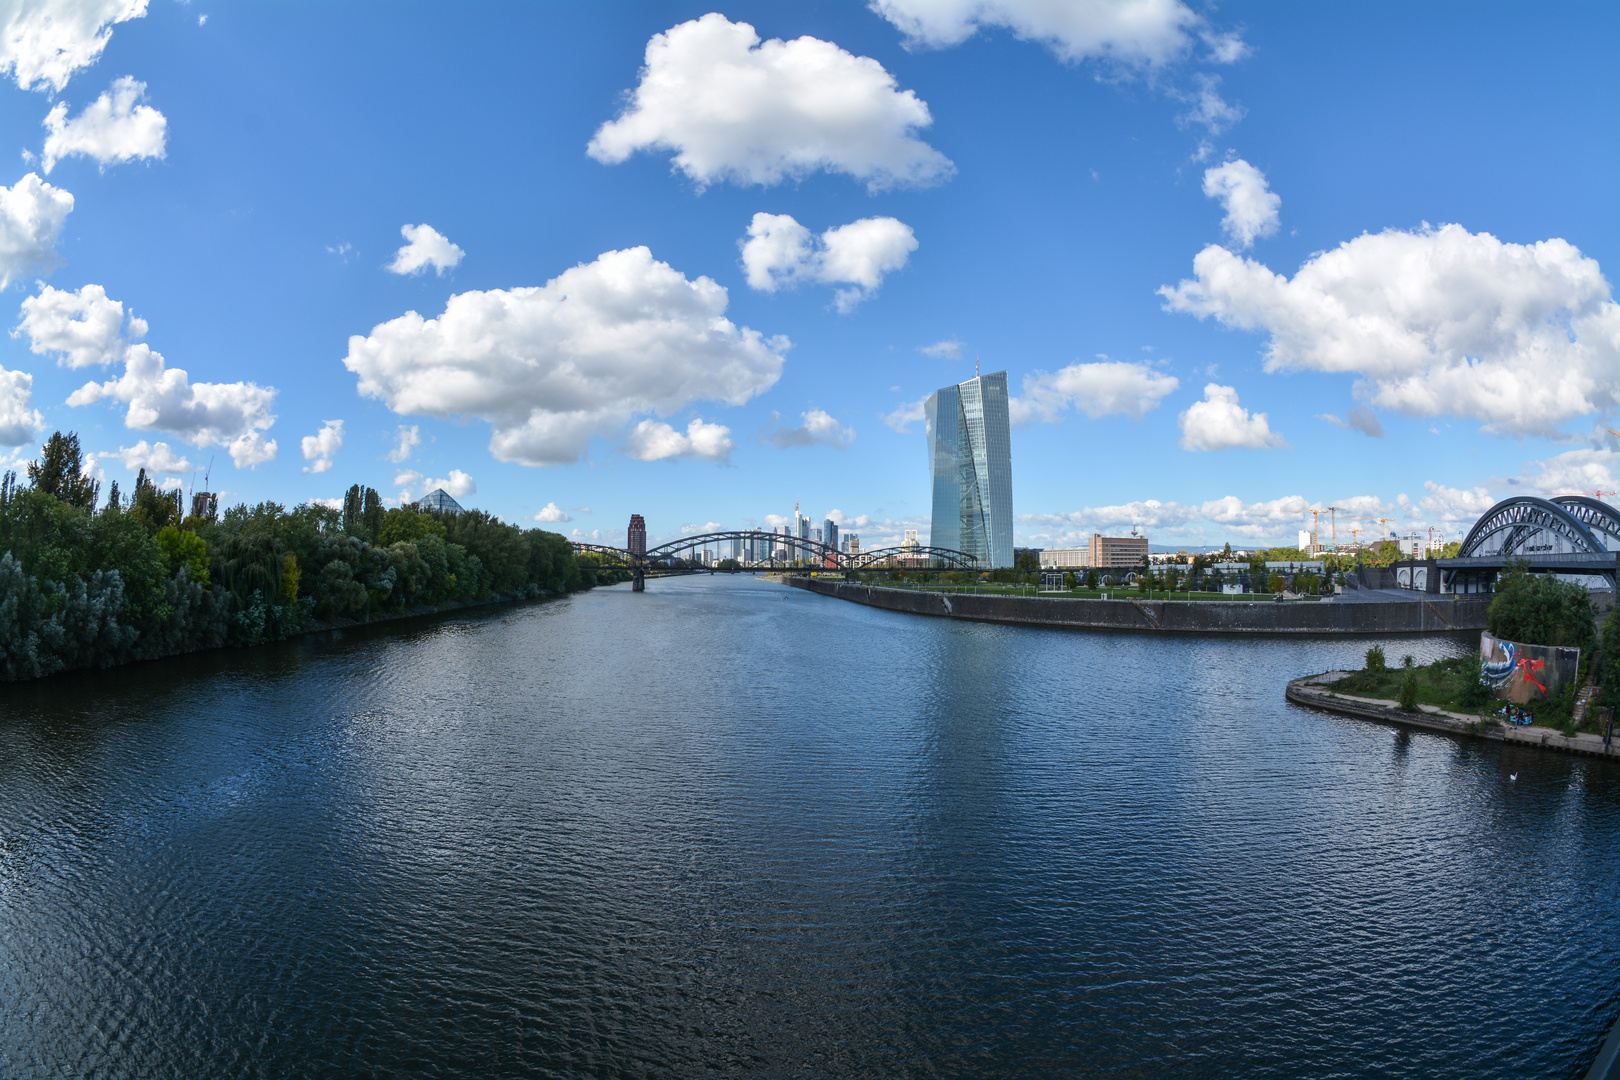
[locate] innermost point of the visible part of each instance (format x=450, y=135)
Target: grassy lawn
x=1441, y=683
x=1118, y=592
x=1444, y=683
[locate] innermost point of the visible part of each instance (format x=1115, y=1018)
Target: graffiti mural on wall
x=1524, y=673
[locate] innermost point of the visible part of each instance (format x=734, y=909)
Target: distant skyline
x=697, y=262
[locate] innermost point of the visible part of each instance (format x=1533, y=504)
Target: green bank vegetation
x=1528, y=608
x=92, y=583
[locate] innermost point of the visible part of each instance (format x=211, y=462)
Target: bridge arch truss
x=815, y=553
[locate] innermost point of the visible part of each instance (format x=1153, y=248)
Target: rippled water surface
x=726, y=827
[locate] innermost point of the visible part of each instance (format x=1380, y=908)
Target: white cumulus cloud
x=552, y=512
x=1132, y=33
x=654, y=440
x=413, y=485
x=20, y=422
x=779, y=252
x=1520, y=337
x=1209, y=108
x=1360, y=419
x=31, y=216
x=817, y=428
x=549, y=366
x=321, y=447
x=85, y=328
x=731, y=107
x=1095, y=389
x=948, y=349
x=1220, y=423
x=112, y=129
x=1574, y=472
x=426, y=247
x=1251, y=207
x=158, y=459
x=406, y=439
x=43, y=42
x=908, y=413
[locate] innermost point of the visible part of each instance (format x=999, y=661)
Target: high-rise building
x=637, y=543
x=829, y=533
x=970, y=455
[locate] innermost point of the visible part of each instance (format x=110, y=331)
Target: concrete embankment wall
x=1303, y=692
x=1170, y=616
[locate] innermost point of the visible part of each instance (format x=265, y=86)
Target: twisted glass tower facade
x=970, y=454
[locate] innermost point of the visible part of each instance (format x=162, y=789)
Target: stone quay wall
x=1426, y=616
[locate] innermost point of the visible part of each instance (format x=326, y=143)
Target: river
x=726, y=827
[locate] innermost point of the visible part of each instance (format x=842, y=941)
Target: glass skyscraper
x=970, y=454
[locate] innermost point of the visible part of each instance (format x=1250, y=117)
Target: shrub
x=1409, y=690
x=1476, y=691
x=1375, y=658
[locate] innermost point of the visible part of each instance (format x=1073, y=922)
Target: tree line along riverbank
x=87, y=582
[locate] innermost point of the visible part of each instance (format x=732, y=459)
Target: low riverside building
x=1101, y=552
x=1065, y=558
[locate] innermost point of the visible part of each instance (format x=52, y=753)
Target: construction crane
x=1333, y=524
x=1316, y=516
x=1383, y=533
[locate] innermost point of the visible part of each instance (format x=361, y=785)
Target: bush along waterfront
x=85, y=583
x=1532, y=610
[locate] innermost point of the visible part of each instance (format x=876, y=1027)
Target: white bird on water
x=1513, y=776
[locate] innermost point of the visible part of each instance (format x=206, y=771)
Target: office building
x=637, y=542
x=970, y=456
x=1118, y=552
x=829, y=533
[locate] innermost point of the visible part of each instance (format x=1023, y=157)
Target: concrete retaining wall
x=1304, y=692
x=1170, y=616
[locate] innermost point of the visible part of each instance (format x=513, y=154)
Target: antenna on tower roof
x=975, y=365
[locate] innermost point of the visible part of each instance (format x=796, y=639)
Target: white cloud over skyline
x=158, y=459
x=1096, y=389
x=1219, y=422
x=778, y=252
x=320, y=448
x=43, y=42
x=1251, y=207
x=87, y=328
x=550, y=366
x=551, y=512
x=733, y=108
x=1521, y=337
x=32, y=214
x=816, y=428
x=113, y=129
x=20, y=422
x=1132, y=33
x=425, y=248
x=654, y=440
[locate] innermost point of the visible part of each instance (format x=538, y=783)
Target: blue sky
x=1404, y=219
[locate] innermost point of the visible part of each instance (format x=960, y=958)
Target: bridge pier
x=638, y=582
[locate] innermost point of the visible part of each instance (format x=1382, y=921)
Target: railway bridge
x=802, y=553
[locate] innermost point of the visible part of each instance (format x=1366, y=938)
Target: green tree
x=184, y=549
x=1608, y=660
x=1541, y=610
x=60, y=472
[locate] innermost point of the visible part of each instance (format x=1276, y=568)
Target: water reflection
x=727, y=827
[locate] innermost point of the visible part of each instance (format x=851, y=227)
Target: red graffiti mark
x=1526, y=667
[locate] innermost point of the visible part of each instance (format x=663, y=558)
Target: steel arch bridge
x=819, y=555
x=1568, y=534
